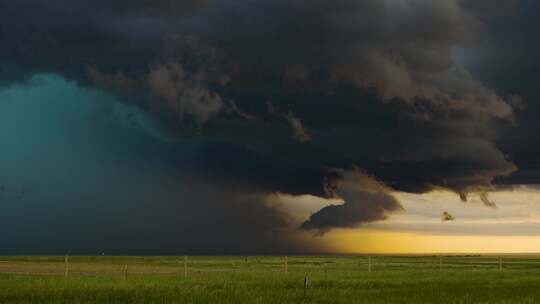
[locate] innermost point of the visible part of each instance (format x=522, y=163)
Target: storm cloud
x=77, y=164
x=365, y=200
x=289, y=97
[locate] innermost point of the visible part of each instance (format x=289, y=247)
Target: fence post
x=185, y=267
x=286, y=265
x=440, y=262
x=66, y=266
x=305, y=285
x=369, y=263
x=500, y=263
x=125, y=272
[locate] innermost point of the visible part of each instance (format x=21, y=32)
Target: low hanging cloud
x=365, y=200
x=484, y=198
x=447, y=217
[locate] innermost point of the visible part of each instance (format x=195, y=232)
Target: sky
x=269, y=127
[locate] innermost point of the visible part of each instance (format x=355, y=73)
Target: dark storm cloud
x=76, y=165
x=372, y=84
x=365, y=200
x=507, y=59
x=491, y=7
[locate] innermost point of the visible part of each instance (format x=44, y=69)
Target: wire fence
x=187, y=266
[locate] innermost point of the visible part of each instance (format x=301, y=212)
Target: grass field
x=347, y=279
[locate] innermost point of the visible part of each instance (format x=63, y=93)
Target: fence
x=185, y=266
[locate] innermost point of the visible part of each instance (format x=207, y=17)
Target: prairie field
x=270, y=279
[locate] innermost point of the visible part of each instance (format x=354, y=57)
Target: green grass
x=401, y=279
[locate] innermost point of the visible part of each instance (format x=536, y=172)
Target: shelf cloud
x=336, y=99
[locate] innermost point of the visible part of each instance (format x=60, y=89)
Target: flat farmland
x=270, y=279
